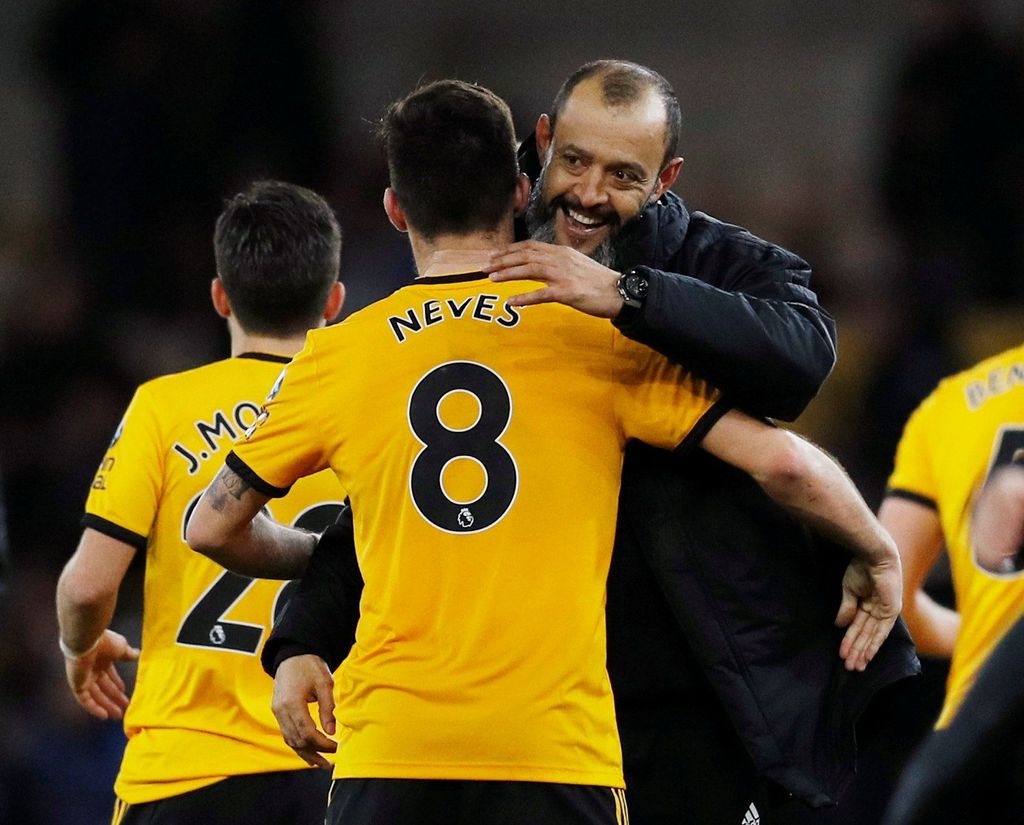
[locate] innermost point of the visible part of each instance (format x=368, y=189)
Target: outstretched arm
x=229, y=527
x=731, y=307
x=811, y=485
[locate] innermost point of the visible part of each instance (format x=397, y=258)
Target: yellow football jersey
x=200, y=710
x=972, y=423
x=481, y=446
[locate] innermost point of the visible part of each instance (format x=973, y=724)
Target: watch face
x=636, y=285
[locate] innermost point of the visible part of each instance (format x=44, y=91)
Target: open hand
x=872, y=599
x=572, y=278
x=94, y=679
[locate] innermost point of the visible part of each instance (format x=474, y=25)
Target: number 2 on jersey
x=205, y=625
x=478, y=442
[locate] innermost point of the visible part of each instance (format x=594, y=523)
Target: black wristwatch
x=632, y=286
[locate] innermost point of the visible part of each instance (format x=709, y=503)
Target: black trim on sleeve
x=249, y=476
x=115, y=531
x=266, y=356
x=917, y=498
x=701, y=428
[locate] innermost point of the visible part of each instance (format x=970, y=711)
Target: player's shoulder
x=1002, y=360
x=173, y=382
x=215, y=381
x=1011, y=359
x=972, y=387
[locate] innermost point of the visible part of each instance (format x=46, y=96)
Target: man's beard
x=540, y=223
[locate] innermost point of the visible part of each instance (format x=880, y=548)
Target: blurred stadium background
x=883, y=141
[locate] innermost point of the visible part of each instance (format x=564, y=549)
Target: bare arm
x=86, y=598
x=918, y=535
x=811, y=485
x=229, y=527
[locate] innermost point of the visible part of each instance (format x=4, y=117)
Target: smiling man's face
x=601, y=166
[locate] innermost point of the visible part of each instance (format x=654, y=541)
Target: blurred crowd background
x=883, y=141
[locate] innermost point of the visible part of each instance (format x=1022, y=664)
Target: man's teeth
x=583, y=219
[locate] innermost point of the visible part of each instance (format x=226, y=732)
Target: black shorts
x=279, y=798
x=465, y=802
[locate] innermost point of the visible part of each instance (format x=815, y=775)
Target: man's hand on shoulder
x=299, y=681
x=572, y=278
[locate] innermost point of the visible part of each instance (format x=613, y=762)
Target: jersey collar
x=266, y=356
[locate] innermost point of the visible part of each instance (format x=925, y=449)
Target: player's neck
x=270, y=345
x=444, y=261
x=457, y=253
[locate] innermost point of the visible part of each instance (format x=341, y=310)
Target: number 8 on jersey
x=478, y=442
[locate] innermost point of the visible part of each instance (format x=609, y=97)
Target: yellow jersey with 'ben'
x=972, y=423
x=200, y=710
x=481, y=446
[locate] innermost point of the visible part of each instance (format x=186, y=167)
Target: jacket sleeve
x=738, y=311
x=322, y=614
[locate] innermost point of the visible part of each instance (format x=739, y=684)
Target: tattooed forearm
x=227, y=482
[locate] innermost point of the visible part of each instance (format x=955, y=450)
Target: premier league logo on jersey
x=465, y=518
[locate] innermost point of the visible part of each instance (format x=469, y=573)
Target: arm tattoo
x=227, y=482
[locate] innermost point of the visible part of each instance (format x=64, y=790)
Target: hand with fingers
x=872, y=600
x=571, y=277
x=94, y=679
x=299, y=681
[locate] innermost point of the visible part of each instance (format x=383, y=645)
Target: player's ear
x=394, y=210
x=543, y=136
x=220, y=298
x=522, y=197
x=666, y=177
x=335, y=300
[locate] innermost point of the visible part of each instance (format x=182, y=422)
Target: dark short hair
x=451, y=153
x=622, y=84
x=278, y=250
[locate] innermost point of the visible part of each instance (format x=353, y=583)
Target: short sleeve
x=287, y=441
x=659, y=402
x=126, y=489
x=913, y=474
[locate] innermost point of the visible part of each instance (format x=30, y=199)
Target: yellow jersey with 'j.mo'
x=200, y=710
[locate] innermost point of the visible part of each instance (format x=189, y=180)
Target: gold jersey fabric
x=481, y=446
x=972, y=423
x=200, y=709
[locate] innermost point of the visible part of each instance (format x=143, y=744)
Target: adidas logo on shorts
x=751, y=817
